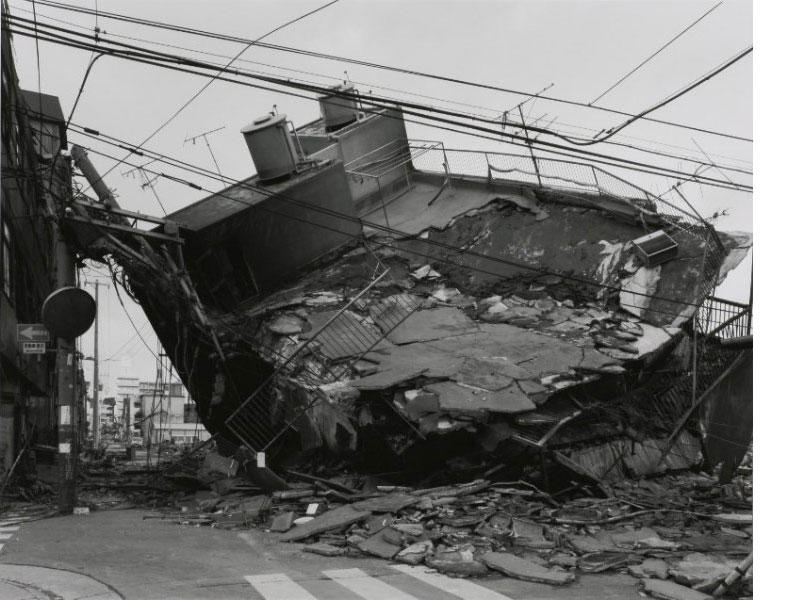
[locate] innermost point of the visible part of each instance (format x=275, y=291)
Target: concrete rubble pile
x=679, y=535
x=535, y=362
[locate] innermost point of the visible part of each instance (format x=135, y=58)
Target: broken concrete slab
x=453, y=397
x=411, y=529
x=415, y=553
x=651, y=567
x=378, y=522
x=599, y=562
x=388, y=503
x=325, y=549
x=286, y=325
x=629, y=537
x=337, y=518
x=696, y=569
x=667, y=590
x=379, y=545
x=471, y=568
x=283, y=522
x=585, y=544
x=400, y=364
x=566, y=561
x=431, y=324
x=519, y=568
x=482, y=374
x=657, y=543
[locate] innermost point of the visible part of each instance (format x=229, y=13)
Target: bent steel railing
x=724, y=319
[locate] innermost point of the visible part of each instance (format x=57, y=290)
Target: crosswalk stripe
x=7, y=529
x=365, y=586
x=459, y=587
x=6, y=536
x=278, y=586
x=1, y=547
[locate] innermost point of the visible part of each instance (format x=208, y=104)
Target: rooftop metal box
x=656, y=248
x=271, y=146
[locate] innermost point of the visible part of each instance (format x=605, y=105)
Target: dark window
x=190, y=413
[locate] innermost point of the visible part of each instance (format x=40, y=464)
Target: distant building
x=166, y=413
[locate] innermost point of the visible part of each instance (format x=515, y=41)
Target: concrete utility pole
x=96, y=419
x=96, y=422
x=68, y=451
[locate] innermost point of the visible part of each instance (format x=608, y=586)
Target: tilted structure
x=407, y=306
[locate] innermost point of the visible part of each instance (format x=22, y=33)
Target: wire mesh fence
x=550, y=173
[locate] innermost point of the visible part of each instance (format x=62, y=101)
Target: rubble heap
x=676, y=533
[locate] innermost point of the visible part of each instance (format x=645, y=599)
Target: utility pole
x=96, y=423
x=96, y=420
x=68, y=452
x=66, y=359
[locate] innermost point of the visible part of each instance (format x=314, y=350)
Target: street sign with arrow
x=31, y=332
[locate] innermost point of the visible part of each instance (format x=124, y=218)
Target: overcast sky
x=581, y=47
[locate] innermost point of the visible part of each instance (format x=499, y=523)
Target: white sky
x=581, y=47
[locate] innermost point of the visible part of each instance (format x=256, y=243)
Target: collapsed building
x=403, y=307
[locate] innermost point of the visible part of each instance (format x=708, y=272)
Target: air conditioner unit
x=656, y=248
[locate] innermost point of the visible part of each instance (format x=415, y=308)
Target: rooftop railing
x=724, y=319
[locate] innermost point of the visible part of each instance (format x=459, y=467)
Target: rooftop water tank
x=339, y=107
x=271, y=146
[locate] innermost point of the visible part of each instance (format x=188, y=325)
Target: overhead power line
x=322, y=55
x=199, y=92
x=176, y=63
x=654, y=54
x=492, y=111
x=685, y=90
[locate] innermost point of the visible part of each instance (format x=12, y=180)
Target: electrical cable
x=199, y=92
x=395, y=233
x=181, y=60
x=202, y=171
x=128, y=316
x=514, y=139
x=443, y=100
x=654, y=54
x=213, y=35
x=675, y=96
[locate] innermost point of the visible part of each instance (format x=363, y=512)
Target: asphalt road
x=116, y=554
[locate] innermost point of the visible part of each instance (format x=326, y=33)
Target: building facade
x=33, y=174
